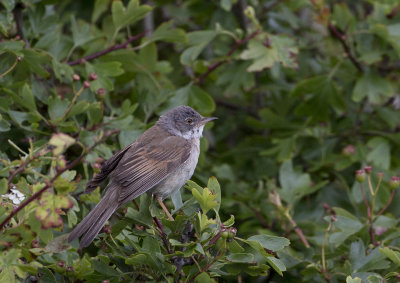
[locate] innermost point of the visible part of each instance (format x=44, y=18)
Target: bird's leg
x=159, y=199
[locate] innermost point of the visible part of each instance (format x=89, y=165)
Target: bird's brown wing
x=147, y=164
x=106, y=169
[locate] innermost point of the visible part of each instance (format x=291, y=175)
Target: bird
x=159, y=162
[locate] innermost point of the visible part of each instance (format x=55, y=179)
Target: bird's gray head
x=184, y=121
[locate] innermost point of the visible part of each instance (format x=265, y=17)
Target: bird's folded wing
x=105, y=170
x=145, y=166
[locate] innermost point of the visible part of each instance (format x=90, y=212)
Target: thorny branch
x=49, y=184
x=108, y=50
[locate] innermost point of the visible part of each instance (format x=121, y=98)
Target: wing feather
x=144, y=166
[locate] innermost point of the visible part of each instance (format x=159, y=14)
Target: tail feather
x=91, y=225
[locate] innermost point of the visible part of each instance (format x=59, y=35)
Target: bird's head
x=184, y=121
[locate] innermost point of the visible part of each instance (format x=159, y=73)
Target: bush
x=306, y=93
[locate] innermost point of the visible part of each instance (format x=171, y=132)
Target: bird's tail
x=91, y=225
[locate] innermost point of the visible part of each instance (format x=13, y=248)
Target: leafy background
x=306, y=92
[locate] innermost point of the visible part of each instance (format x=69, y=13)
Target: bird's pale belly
x=178, y=178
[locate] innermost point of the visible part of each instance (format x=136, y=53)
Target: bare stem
x=108, y=50
x=76, y=95
x=387, y=204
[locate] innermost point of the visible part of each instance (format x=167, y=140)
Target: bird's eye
x=189, y=121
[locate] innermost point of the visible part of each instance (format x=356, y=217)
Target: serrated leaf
x=134, y=12
x=373, y=87
x=391, y=254
x=206, y=199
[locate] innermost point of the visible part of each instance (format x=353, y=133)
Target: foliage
x=306, y=93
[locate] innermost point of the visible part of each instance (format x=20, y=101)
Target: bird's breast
x=178, y=178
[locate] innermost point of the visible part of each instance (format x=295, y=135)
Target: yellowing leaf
x=61, y=142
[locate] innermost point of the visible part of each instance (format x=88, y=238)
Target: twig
x=261, y=218
x=18, y=59
x=233, y=49
x=216, y=258
x=108, y=50
x=369, y=214
x=24, y=164
x=342, y=39
x=49, y=184
x=297, y=230
x=387, y=204
x=162, y=234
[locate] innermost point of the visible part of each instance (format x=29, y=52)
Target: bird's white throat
x=194, y=133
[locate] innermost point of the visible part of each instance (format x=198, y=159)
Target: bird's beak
x=205, y=120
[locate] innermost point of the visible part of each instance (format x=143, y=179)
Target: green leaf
x=206, y=199
x=100, y=6
x=281, y=49
x=122, y=16
x=198, y=40
x=320, y=97
x=165, y=33
x=373, y=87
x=7, y=275
x=3, y=186
x=349, y=279
x=204, y=277
x=241, y=257
x=215, y=189
x=391, y=254
x=293, y=183
x=379, y=153
x=80, y=33
x=269, y=242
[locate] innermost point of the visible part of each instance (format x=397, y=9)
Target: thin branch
x=342, y=39
x=297, y=229
x=18, y=59
x=108, y=50
x=162, y=234
x=387, y=204
x=24, y=165
x=214, y=66
x=369, y=214
x=49, y=184
x=261, y=218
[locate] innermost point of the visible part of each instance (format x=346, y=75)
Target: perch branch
x=49, y=184
x=108, y=50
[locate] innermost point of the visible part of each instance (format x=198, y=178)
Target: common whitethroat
x=159, y=162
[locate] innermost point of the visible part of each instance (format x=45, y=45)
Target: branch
x=214, y=66
x=387, y=204
x=298, y=230
x=24, y=164
x=108, y=50
x=342, y=39
x=162, y=234
x=49, y=184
